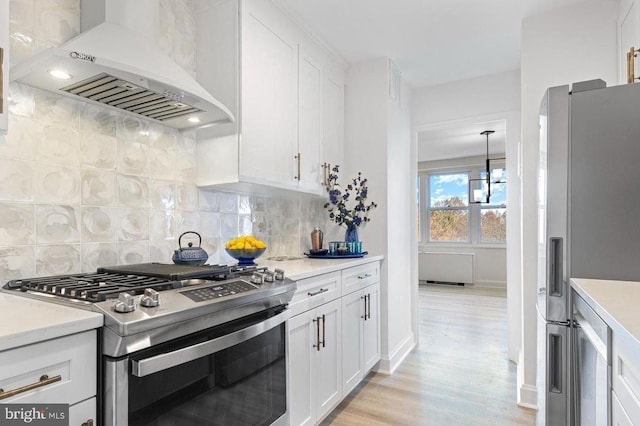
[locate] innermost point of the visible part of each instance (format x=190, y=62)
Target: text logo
x=83, y=56
x=34, y=414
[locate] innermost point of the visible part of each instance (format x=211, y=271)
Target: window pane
x=498, y=185
x=449, y=190
x=493, y=225
x=449, y=225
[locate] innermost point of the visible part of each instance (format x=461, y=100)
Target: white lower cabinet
x=619, y=417
x=360, y=335
x=314, y=363
x=333, y=338
x=625, y=383
x=83, y=413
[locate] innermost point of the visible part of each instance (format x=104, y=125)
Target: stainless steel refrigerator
x=588, y=219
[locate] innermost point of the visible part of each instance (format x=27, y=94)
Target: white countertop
x=617, y=303
x=24, y=321
x=304, y=268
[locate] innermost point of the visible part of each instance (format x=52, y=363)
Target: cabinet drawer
x=360, y=276
x=82, y=413
x=619, y=417
x=315, y=291
x=626, y=378
x=73, y=358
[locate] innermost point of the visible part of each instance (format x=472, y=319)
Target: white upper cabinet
x=4, y=66
x=629, y=37
x=287, y=97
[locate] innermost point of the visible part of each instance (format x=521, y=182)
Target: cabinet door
x=329, y=357
x=4, y=65
x=301, y=357
x=333, y=118
x=353, y=306
x=629, y=35
x=268, y=94
x=371, y=329
x=83, y=413
x=310, y=119
x=619, y=417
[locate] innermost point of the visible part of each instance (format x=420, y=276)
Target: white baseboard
x=528, y=397
x=388, y=364
x=491, y=284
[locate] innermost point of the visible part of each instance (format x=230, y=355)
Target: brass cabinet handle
x=631, y=59
x=327, y=172
x=317, y=321
x=88, y=423
x=297, y=157
x=44, y=381
x=1, y=80
x=322, y=290
x=324, y=174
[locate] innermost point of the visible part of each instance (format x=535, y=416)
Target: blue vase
x=351, y=236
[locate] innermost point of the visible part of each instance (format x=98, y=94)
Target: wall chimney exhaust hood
x=115, y=66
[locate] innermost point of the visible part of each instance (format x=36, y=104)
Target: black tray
x=335, y=256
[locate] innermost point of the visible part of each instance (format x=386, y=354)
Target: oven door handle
x=154, y=364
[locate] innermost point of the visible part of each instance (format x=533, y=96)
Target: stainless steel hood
x=115, y=66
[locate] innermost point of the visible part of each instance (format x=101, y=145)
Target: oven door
x=230, y=374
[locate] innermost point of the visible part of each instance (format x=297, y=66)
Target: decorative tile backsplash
x=82, y=186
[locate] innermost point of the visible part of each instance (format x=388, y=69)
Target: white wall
x=378, y=144
x=487, y=98
x=571, y=44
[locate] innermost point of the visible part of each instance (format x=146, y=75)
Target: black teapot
x=194, y=256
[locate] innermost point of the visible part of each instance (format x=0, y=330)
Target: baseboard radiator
x=456, y=268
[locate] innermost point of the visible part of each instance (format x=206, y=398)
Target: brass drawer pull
x=44, y=381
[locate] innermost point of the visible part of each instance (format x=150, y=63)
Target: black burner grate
x=93, y=287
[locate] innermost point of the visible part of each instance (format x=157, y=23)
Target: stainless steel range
x=183, y=344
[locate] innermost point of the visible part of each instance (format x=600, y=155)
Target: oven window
x=244, y=384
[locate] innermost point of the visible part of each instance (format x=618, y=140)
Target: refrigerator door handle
x=555, y=370
x=555, y=281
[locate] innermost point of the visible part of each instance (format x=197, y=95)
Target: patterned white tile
x=161, y=163
x=98, y=187
x=57, y=184
x=166, y=29
x=58, y=21
x=17, y=262
x=185, y=168
x=56, y=109
x=228, y=226
x=162, y=225
x=212, y=247
x=21, y=44
x=210, y=224
x=133, y=252
x=57, y=259
x=133, y=191
x=162, y=250
x=208, y=200
x=132, y=129
x=228, y=202
x=187, y=197
x=187, y=143
x=16, y=180
x=99, y=151
x=98, y=254
x=95, y=120
x=61, y=145
x=100, y=224
x=132, y=157
x=163, y=138
x=162, y=194
x=57, y=224
x=19, y=142
x=187, y=221
x=17, y=224
x=22, y=102
x=134, y=225
x=244, y=204
x=245, y=226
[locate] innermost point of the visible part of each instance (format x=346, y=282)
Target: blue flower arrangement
x=356, y=191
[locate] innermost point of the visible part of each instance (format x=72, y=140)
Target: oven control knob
x=150, y=298
x=268, y=276
x=257, y=278
x=126, y=303
x=279, y=274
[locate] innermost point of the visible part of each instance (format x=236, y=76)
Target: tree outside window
x=449, y=207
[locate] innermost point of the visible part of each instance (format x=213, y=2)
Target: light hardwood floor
x=459, y=374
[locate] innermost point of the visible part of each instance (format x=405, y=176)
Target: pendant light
x=477, y=195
